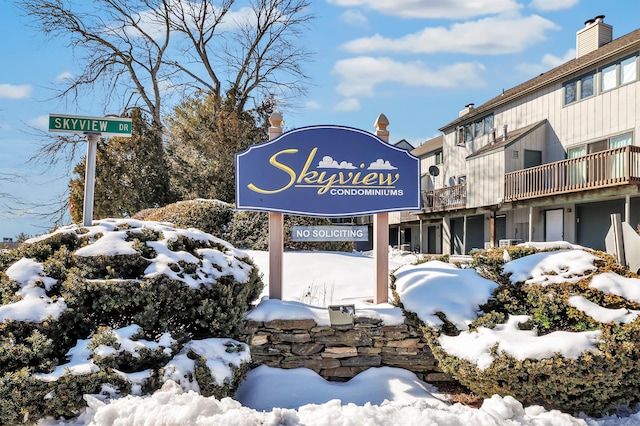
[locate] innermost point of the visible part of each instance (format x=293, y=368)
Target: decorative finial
x=276, y=119
x=381, y=122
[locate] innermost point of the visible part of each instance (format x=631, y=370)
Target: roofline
x=543, y=81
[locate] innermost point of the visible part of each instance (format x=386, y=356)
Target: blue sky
x=418, y=62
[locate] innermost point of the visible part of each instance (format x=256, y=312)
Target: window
x=623, y=72
x=570, y=92
x=488, y=124
x=586, y=86
x=583, y=171
x=473, y=130
x=601, y=145
x=578, y=89
x=609, y=77
x=628, y=70
x=438, y=157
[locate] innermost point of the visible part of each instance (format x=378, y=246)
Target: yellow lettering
x=288, y=170
x=305, y=172
x=370, y=178
x=389, y=180
x=328, y=183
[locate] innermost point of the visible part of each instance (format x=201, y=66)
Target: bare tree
x=137, y=50
x=141, y=53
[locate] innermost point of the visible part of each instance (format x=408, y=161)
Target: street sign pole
x=90, y=178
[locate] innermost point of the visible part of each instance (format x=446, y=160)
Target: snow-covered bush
x=558, y=328
x=243, y=229
x=120, y=307
x=210, y=216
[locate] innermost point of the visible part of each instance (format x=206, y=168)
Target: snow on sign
x=327, y=171
x=106, y=126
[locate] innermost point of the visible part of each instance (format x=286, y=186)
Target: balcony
x=449, y=198
x=602, y=169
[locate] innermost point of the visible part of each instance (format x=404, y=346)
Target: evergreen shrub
x=173, y=285
x=596, y=383
x=243, y=229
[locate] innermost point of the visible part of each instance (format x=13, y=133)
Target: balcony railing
x=449, y=198
x=599, y=170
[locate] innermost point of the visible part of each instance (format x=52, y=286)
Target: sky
x=377, y=396
x=417, y=62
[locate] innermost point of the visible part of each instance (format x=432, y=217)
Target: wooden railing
x=599, y=170
x=449, y=198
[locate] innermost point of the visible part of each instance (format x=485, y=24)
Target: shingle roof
x=429, y=146
x=615, y=47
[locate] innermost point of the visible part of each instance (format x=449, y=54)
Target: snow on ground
x=378, y=396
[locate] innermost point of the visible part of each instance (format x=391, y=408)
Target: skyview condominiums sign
x=327, y=171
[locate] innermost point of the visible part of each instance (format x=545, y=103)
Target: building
x=550, y=159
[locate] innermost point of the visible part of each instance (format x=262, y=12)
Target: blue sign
x=327, y=171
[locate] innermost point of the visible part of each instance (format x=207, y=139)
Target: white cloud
x=381, y=164
x=548, y=62
x=452, y=9
x=354, y=17
x=328, y=162
x=488, y=36
x=547, y=5
x=312, y=105
x=66, y=75
x=359, y=76
x=41, y=122
x=12, y=91
x=347, y=105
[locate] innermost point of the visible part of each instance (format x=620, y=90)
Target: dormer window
x=475, y=129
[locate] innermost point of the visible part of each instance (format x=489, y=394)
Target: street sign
x=105, y=126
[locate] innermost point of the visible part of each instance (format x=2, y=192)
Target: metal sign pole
x=90, y=178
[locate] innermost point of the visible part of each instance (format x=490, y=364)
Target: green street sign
x=105, y=126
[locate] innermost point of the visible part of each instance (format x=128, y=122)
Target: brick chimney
x=594, y=35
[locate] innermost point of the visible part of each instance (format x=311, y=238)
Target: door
x=554, y=225
x=431, y=240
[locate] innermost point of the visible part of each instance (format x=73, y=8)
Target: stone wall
x=340, y=352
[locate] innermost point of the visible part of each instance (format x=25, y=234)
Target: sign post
x=276, y=227
x=93, y=127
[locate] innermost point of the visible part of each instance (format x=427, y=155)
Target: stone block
x=362, y=361
x=339, y=352
x=259, y=340
x=290, y=337
x=303, y=324
x=306, y=348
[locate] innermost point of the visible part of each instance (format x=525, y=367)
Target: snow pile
x=34, y=305
x=437, y=287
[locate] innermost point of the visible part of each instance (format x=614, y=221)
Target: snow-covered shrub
x=210, y=216
x=557, y=328
x=111, y=309
x=243, y=229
